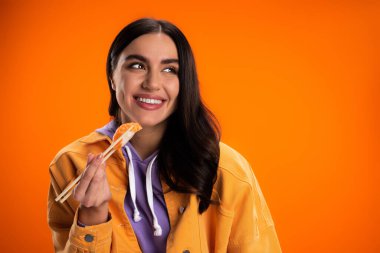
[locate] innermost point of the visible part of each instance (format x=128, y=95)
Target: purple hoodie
x=144, y=228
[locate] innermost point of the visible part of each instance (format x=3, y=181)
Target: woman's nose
x=152, y=81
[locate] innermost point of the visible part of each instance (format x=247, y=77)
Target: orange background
x=295, y=85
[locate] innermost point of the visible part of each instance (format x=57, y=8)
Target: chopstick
x=70, y=188
x=106, y=154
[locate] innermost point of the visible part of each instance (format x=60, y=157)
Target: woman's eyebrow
x=136, y=56
x=145, y=60
x=167, y=61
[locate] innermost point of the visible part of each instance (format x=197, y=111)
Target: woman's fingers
x=105, y=189
x=90, y=158
x=93, y=189
x=94, y=193
x=87, y=176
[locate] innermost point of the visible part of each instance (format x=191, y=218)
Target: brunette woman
x=174, y=187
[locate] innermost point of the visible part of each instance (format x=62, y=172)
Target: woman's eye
x=170, y=70
x=136, y=66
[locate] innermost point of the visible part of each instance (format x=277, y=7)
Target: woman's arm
x=67, y=235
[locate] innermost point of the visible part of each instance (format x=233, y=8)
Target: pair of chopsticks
x=106, y=154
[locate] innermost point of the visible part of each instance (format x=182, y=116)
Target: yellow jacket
x=241, y=223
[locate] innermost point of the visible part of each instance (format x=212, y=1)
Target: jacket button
x=88, y=238
x=186, y=251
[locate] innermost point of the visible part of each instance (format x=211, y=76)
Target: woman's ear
x=112, y=84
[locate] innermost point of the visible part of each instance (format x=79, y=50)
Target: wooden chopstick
x=106, y=154
x=70, y=188
x=116, y=142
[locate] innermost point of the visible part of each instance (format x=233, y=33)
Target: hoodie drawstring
x=149, y=190
x=132, y=186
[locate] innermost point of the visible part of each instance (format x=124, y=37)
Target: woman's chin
x=145, y=121
x=151, y=123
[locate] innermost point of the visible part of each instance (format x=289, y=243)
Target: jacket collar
x=104, y=133
x=95, y=137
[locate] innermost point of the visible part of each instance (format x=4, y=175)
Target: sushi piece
x=126, y=131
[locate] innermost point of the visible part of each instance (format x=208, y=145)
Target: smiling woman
x=174, y=187
x=146, y=82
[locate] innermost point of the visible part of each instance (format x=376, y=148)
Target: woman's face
x=146, y=80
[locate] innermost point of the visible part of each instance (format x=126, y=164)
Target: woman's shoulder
x=234, y=166
x=93, y=142
x=235, y=181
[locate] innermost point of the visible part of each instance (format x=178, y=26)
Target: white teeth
x=149, y=101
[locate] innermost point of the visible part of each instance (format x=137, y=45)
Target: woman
x=174, y=187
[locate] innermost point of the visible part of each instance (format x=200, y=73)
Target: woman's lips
x=149, y=103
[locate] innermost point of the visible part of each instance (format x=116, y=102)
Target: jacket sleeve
x=252, y=228
x=68, y=237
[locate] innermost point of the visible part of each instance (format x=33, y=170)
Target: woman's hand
x=93, y=192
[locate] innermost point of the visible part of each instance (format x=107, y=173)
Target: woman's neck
x=146, y=141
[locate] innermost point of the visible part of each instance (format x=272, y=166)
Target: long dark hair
x=189, y=151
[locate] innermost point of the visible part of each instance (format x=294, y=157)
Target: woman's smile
x=149, y=102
